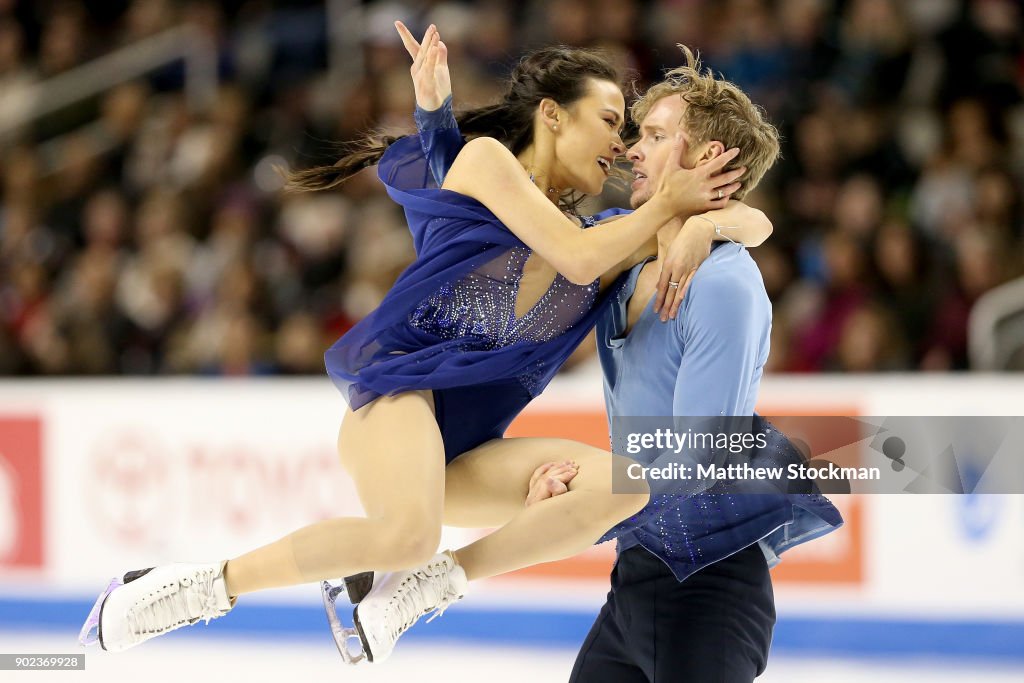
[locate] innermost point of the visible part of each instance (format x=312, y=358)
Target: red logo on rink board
x=21, y=493
x=127, y=488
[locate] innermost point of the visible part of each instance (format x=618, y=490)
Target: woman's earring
x=554, y=127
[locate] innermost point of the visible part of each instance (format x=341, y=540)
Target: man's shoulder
x=727, y=290
x=730, y=268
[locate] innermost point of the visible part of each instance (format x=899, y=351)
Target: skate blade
x=343, y=635
x=90, y=632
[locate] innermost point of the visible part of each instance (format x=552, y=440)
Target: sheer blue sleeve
x=439, y=119
x=440, y=137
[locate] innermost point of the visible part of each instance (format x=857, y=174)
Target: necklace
x=533, y=180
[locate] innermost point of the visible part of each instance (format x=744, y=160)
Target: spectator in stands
x=897, y=200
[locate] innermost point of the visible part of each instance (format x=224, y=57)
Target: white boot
x=159, y=600
x=399, y=599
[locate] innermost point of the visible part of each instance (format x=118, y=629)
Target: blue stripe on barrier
x=803, y=636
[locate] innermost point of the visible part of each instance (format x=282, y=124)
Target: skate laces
x=175, y=604
x=447, y=597
x=428, y=585
x=403, y=601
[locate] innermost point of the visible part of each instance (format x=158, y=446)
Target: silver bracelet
x=720, y=228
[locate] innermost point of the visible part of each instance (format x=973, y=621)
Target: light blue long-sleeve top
x=707, y=362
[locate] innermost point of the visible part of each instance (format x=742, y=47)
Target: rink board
x=97, y=477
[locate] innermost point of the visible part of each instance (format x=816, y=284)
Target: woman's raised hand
x=692, y=191
x=430, y=77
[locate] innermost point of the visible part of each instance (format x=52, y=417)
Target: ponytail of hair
x=365, y=155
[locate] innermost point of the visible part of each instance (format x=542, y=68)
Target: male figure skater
x=710, y=619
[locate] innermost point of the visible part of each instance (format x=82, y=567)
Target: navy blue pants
x=714, y=627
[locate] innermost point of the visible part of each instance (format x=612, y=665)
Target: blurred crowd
x=142, y=233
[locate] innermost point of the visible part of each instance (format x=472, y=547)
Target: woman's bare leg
x=494, y=479
x=393, y=450
x=469, y=505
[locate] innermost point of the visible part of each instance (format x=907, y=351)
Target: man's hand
x=430, y=77
x=550, y=480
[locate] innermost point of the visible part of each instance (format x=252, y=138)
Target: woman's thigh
x=392, y=449
x=487, y=486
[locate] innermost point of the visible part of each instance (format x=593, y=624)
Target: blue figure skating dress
x=449, y=322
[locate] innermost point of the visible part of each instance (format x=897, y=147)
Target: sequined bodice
x=482, y=306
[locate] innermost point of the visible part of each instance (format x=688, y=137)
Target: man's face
x=649, y=155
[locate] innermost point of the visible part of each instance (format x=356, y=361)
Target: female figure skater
x=503, y=288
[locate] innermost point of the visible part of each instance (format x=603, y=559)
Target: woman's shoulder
x=483, y=155
x=486, y=145
x=486, y=171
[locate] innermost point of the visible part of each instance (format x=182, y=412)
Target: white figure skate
x=397, y=601
x=150, y=602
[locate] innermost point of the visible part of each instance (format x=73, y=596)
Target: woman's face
x=589, y=138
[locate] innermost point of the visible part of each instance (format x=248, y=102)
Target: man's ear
x=711, y=150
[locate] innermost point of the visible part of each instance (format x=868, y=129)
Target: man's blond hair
x=717, y=110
